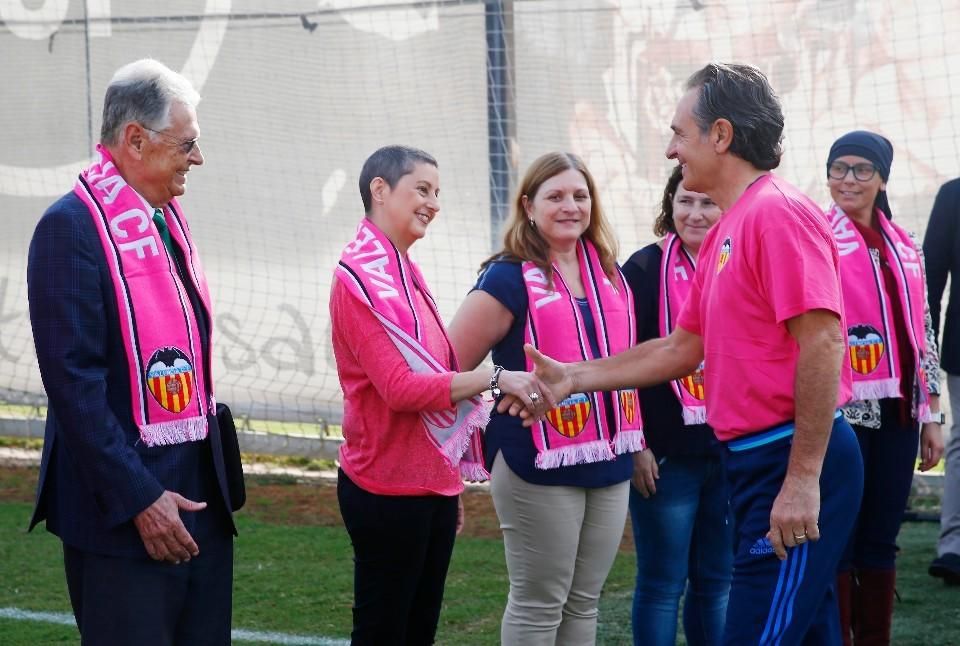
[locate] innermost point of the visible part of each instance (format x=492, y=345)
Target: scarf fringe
x=475, y=422
x=629, y=442
x=587, y=452
x=693, y=415
x=876, y=389
x=473, y=471
x=174, y=432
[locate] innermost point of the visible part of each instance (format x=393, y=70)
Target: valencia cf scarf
x=578, y=430
x=676, y=277
x=871, y=337
x=168, y=380
x=375, y=272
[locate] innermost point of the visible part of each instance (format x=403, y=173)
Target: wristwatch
x=943, y=419
x=494, y=384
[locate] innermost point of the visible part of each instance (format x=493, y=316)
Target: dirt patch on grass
x=277, y=500
x=18, y=483
x=283, y=500
x=289, y=502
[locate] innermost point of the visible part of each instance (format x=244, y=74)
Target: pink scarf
x=373, y=271
x=577, y=430
x=676, y=277
x=168, y=380
x=871, y=337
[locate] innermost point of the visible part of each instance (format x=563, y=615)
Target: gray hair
x=390, y=163
x=143, y=91
x=742, y=95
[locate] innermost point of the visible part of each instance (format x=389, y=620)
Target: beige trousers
x=560, y=543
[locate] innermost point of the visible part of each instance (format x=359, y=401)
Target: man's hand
x=793, y=518
x=822, y=350
x=646, y=472
x=527, y=389
x=162, y=531
x=553, y=374
x=513, y=406
x=931, y=445
x=554, y=385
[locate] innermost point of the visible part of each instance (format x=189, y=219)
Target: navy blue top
x=663, y=425
x=504, y=281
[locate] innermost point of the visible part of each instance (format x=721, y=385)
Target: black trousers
x=123, y=600
x=889, y=455
x=402, y=547
x=119, y=600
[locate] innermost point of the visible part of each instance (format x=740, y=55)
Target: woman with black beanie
x=896, y=384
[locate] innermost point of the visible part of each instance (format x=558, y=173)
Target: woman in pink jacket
x=411, y=421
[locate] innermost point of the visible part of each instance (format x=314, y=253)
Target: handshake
x=530, y=395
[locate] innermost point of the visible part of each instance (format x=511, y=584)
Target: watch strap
x=494, y=381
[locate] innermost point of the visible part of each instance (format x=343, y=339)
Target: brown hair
x=664, y=222
x=522, y=242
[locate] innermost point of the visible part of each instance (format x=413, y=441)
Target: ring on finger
x=535, y=397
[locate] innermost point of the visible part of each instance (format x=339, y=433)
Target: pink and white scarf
x=577, y=431
x=168, y=375
x=676, y=278
x=375, y=272
x=871, y=336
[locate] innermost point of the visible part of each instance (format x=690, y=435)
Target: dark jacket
x=941, y=247
x=95, y=473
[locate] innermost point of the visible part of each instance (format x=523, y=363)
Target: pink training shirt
x=386, y=450
x=771, y=257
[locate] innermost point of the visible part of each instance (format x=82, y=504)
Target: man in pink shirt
x=766, y=316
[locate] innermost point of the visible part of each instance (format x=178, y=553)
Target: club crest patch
x=170, y=378
x=628, y=402
x=693, y=383
x=569, y=418
x=866, y=348
x=725, y=250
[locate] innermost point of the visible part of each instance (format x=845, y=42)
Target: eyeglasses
x=186, y=146
x=862, y=172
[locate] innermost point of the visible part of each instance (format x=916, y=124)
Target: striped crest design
x=866, y=348
x=170, y=379
x=693, y=383
x=628, y=402
x=725, y=250
x=569, y=418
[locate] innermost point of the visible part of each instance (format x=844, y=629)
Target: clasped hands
x=549, y=381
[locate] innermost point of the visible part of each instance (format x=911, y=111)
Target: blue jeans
x=682, y=531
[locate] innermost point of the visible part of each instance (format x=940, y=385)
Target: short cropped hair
x=390, y=163
x=742, y=95
x=143, y=91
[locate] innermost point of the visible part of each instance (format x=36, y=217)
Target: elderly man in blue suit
x=132, y=478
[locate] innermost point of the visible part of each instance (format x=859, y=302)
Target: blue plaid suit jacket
x=96, y=474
